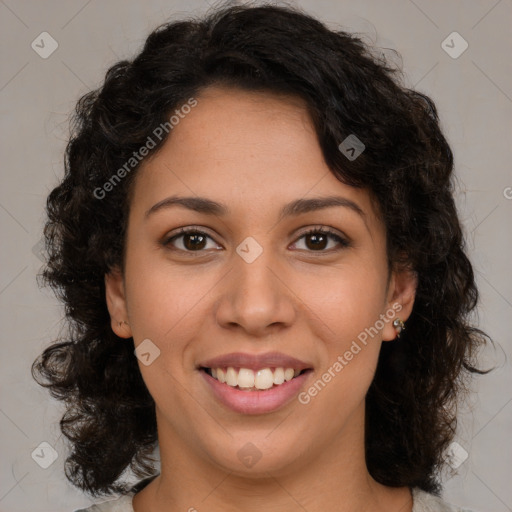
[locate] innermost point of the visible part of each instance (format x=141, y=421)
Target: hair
x=406, y=166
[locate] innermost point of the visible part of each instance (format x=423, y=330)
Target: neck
x=333, y=477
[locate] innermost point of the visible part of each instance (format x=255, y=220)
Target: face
x=249, y=264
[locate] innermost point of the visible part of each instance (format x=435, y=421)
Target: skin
x=255, y=152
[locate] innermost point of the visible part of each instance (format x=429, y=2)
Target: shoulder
x=122, y=504
x=425, y=502
x=422, y=502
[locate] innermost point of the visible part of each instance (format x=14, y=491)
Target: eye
x=317, y=240
x=189, y=240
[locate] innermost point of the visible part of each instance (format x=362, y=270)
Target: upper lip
x=255, y=361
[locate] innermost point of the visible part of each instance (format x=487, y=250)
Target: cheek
x=349, y=336
x=164, y=301
x=349, y=357
x=168, y=306
x=348, y=300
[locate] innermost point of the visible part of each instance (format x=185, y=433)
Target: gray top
x=422, y=502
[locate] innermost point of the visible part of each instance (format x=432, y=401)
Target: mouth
x=247, y=379
x=259, y=391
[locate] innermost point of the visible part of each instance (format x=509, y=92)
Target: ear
x=116, y=303
x=400, y=300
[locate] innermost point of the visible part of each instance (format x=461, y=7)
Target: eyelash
x=324, y=231
x=343, y=242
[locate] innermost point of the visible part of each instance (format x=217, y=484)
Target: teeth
x=288, y=374
x=278, y=376
x=264, y=379
x=247, y=379
x=231, y=377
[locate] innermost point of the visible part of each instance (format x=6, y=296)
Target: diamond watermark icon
x=44, y=45
x=454, y=45
x=38, y=250
x=249, y=455
x=147, y=352
x=249, y=249
x=352, y=147
x=44, y=455
x=456, y=455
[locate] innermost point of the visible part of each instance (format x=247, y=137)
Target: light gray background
x=473, y=93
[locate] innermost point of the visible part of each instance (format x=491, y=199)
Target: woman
x=264, y=275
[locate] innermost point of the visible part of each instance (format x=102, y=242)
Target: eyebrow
x=297, y=207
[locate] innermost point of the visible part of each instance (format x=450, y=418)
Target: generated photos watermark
x=343, y=360
x=137, y=156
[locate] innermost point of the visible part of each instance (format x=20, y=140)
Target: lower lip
x=256, y=402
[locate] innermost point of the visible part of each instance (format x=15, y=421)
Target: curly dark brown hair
x=407, y=166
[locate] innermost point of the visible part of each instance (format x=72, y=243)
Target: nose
x=255, y=297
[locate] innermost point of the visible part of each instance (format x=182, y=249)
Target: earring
x=121, y=323
x=399, y=326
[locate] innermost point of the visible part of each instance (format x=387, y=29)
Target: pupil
x=196, y=241
x=316, y=239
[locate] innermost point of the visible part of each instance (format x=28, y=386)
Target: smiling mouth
x=246, y=379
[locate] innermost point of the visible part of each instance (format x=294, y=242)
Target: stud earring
x=399, y=326
x=121, y=323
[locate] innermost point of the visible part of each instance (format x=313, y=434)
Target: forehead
x=249, y=148
x=229, y=127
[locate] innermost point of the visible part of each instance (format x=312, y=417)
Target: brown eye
x=317, y=240
x=194, y=241
x=190, y=241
